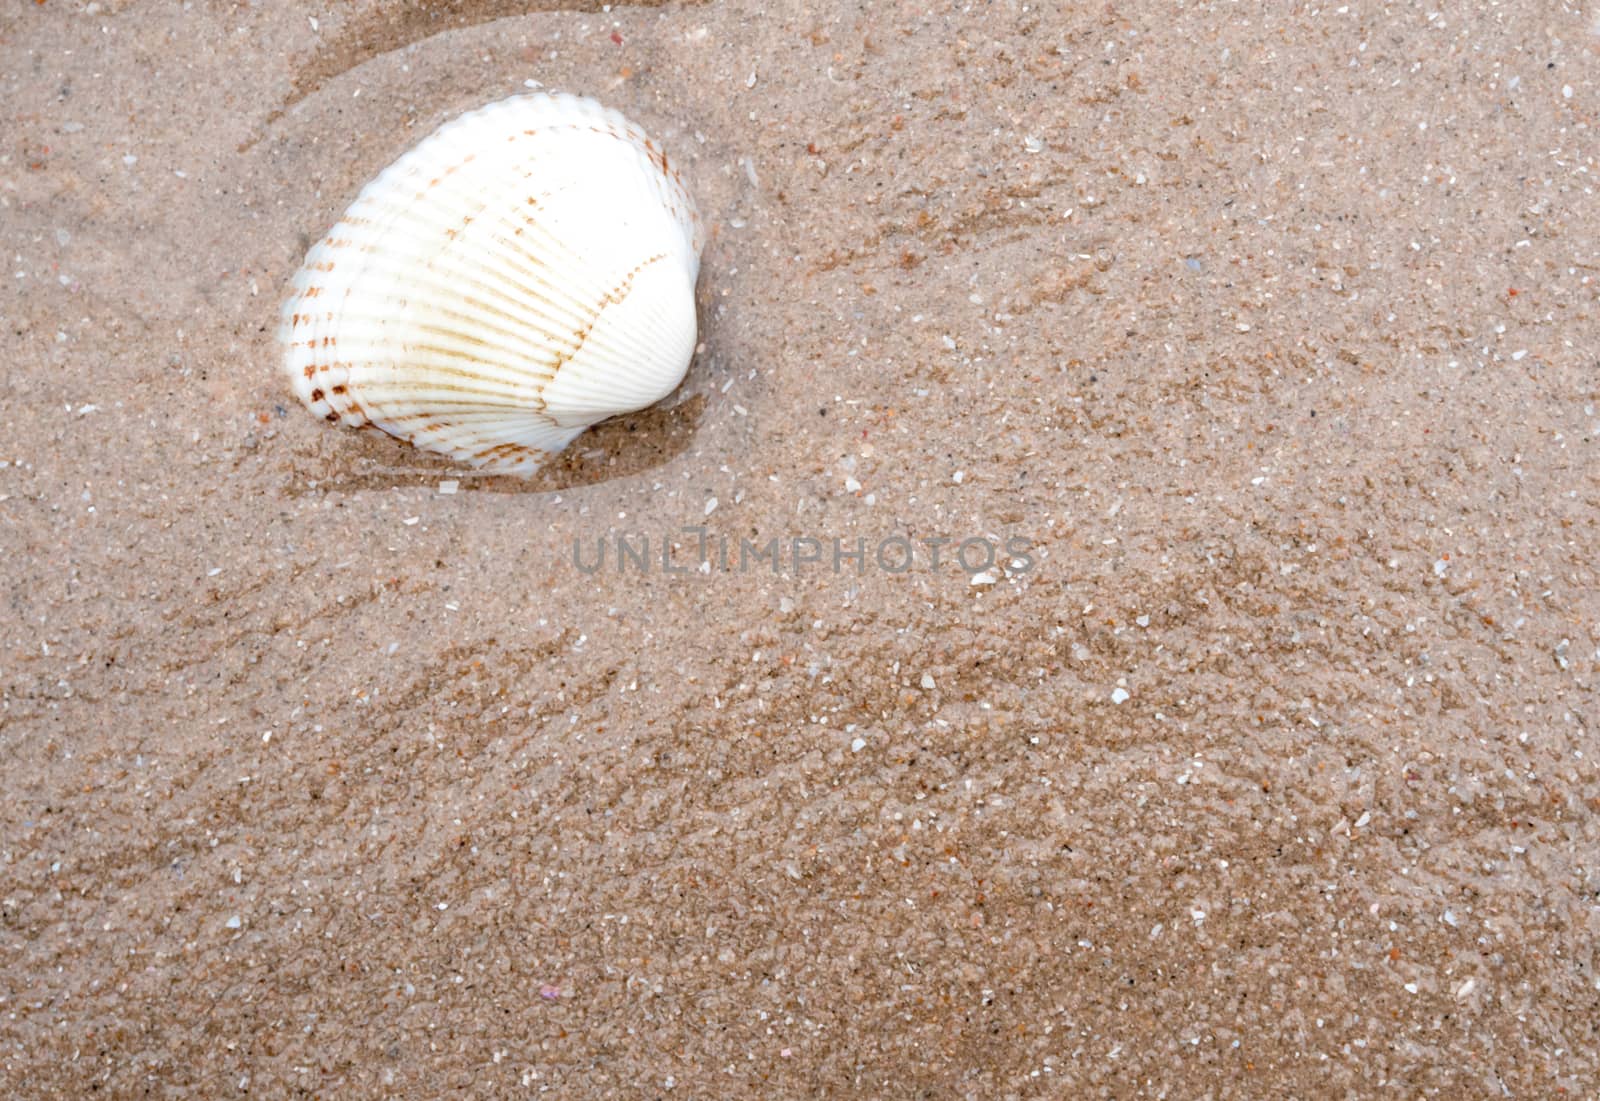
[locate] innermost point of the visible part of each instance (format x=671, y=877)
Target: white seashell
x=525, y=271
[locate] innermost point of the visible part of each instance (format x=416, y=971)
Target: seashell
x=525, y=271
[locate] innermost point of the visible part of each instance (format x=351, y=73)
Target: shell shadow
x=617, y=448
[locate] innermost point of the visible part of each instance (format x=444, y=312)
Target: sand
x=1262, y=764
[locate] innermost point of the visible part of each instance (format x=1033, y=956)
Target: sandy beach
x=1111, y=611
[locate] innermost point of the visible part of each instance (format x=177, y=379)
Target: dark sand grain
x=1273, y=328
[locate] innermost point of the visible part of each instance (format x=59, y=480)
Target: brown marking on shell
x=317, y=395
x=505, y=451
x=611, y=297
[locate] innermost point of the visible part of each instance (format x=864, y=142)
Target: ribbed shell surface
x=523, y=272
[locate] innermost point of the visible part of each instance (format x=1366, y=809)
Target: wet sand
x=1263, y=766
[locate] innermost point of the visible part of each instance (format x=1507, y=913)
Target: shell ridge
x=450, y=272
x=609, y=298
